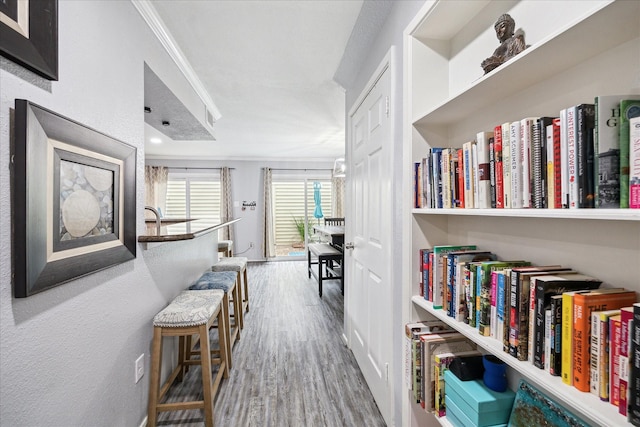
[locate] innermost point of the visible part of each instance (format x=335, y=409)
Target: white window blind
x=289, y=203
x=193, y=196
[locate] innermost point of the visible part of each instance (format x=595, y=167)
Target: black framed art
x=29, y=34
x=74, y=197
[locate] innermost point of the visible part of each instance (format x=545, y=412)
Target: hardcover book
x=546, y=286
x=468, y=173
x=633, y=392
x=583, y=305
x=567, y=336
x=607, y=141
x=527, y=128
x=612, y=392
x=585, y=118
x=599, y=367
x=499, y=172
x=626, y=317
x=564, y=159
x=483, y=171
x=629, y=108
x=555, y=362
x=431, y=345
x=572, y=156
x=506, y=165
x=516, y=164
x=539, y=162
x=634, y=163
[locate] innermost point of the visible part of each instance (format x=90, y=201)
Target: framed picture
x=74, y=200
x=29, y=34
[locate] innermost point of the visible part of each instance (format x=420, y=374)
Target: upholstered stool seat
x=239, y=265
x=225, y=281
x=226, y=247
x=191, y=312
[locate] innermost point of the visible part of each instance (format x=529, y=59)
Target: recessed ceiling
x=269, y=68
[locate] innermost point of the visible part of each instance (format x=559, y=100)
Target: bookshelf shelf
x=575, y=49
x=593, y=214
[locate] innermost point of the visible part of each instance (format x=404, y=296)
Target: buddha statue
x=510, y=44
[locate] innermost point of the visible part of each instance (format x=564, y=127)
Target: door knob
x=348, y=245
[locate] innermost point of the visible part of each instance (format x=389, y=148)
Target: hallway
x=290, y=367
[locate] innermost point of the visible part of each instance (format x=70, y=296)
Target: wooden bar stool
x=226, y=247
x=239, y=265
x=225, y=281
x=191, y=312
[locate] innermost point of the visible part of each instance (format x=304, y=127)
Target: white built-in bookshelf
x=577, y=50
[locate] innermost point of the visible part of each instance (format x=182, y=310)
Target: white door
x=368, y=289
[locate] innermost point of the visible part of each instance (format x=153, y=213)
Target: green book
x=628, y=108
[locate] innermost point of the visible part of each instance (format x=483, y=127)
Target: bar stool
x=239, y=265
x=225, y=281
x=191, y=312
x=226, y=247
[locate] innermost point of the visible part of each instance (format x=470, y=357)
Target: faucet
x=157, y=214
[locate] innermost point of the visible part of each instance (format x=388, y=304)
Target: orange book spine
x=583, y=306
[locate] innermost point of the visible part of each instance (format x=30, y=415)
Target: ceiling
x=269, y=67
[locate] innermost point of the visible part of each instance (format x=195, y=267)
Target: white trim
x=155, y=23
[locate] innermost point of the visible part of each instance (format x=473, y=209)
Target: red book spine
x=626, y=316
x=460, y=178
x=557, y=169
x=614, y=360
x=499, y=172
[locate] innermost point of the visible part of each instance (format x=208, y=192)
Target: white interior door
x=368, y=289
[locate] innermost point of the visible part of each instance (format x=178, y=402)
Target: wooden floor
x=291, y=367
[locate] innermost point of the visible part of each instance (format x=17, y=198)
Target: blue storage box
x=482, y=406
x=457, y=418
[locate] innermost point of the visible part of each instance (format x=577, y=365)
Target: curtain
x=268, y=241
x=226, y=206
x=155, y=180
x=337, y=192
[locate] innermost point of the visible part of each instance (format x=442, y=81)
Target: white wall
x=67, y=354
x=391, y=35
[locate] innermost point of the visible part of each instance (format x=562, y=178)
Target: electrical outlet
x=139, y=368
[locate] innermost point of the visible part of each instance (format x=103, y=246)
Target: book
x=500, y=302
x=455, y=178
x=612, y=392
x=436, y=171
x=492, y=173
x=442, y=361
x=468, y=172
x=445, y=168
x=545, y=287
x=555, y=362
x=417, y=385
x=527, y=127
x=585, y=118
x=633, y=392
x=460, y=186
x=583, y=305
x=426, y=183
x=564, y=160
x=506, y=165
x=412, y=332
x=498, y=166
x=634, y=162
x=554, y=170
x=456, y=298
x=431, y=345
x=572, y=156
x=484, y=176
x=547, y=339
x=522, y=305
x=539, y=156
x=629, y=108
x=417, y=184
x=599, y=365
x=476, y=174
x=437, y=266
x=566, y=370
x=626, y=317
x=483, y=292
x=516, y=164
x=424, y=272
x=607, y=141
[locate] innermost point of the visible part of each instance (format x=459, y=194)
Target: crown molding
x=157, y=26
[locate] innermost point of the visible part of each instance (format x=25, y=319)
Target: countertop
x=175, y=229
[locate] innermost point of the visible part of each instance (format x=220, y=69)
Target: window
x=193, y=195
x=289, y=203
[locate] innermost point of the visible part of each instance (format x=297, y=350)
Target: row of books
x=586, y=157
x=541, y=314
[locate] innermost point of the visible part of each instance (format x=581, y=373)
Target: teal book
x=629, y=108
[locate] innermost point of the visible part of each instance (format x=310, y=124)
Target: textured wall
x=67, y=354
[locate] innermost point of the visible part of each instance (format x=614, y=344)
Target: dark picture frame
x=35, y=48
x=74, y=200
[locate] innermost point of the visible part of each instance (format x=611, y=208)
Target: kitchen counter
x=176, y=229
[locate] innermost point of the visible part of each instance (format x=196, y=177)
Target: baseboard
x=143, y=423
x=345, y=340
